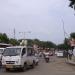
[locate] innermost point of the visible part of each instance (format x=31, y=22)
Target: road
x=57, y=67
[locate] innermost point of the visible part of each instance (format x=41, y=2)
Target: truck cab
x=18, y=57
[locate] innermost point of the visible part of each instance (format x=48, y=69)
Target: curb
x=70, y=62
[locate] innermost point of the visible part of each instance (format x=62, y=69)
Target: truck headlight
x=17, y=61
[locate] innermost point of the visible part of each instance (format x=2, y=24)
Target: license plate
x=9, y=66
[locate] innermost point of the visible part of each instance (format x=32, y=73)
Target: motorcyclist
x=46, y=55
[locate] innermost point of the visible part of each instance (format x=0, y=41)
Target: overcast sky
x=41, y=17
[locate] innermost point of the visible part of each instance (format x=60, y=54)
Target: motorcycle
x=47, y=57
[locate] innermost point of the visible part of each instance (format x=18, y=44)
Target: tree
x=72, y=4
x=14, y=42
x=30, y=42
x=43, y=44
x=36, y=41
x=65, y=45
x=49, y=44
x=4, y=38
x=72, y=35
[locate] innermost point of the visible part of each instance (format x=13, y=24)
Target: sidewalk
x=72, y=62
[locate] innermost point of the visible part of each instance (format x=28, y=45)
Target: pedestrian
x=66, y=54
x=70, y=53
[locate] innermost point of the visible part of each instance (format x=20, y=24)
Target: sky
x=42, y=18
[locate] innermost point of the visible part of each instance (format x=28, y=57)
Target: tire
x=33, y=65
x=7, y=69
x=24, y=67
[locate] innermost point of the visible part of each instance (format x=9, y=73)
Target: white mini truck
x=19, y=57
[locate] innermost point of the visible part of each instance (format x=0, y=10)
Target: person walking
x=70, y=53
x=66, y=54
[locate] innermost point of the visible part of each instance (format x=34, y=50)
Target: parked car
x=18, y=57
x=60, y=54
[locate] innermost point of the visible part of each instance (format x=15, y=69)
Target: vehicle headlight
x=17, y=61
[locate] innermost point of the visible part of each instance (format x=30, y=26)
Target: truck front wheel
x=24, y=67
x=33, y=64
x=7, y=69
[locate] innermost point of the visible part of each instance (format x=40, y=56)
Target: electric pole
x=14, y=33
x=63, y=28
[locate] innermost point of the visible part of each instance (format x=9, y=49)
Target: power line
x=24, y=33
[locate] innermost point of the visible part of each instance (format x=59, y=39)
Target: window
x=23, y=51
x=30, y=52
x=12, y=51
x=1, y=51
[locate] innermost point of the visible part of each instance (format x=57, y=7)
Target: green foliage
x=45, y=44
x=29, y=42
x=63, y=46
x=72, y=35
x=14, y=42
x=48, y=44
x=4, y=38
x=36, y=41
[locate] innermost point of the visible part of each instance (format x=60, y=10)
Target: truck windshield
x=1, y=51
x=12, y=51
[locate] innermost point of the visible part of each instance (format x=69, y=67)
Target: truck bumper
x=12, y=66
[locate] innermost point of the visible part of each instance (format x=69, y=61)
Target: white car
x=18, y=57
x=60, y=53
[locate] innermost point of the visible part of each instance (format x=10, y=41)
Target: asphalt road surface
x=55, y=67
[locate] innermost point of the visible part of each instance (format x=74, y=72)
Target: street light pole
x=14, y=33
x=65, y=34
x=63, y=27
